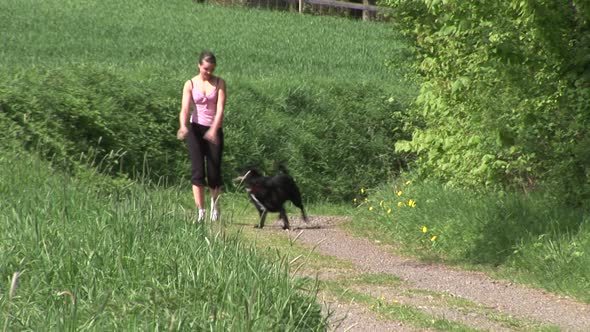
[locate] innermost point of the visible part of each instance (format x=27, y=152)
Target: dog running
x=269, y=194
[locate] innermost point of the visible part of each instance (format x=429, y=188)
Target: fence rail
x=344, y=4
x=366, y=10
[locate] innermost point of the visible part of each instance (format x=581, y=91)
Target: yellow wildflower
x=389, y=211
x=400, y=204
x=424, y=229
x=399, y=193
x=412, y=203
x=370, y=208
x=408, y=182
x=354, y=200
x=433, y=238
x=362, y=190
x=381, y=204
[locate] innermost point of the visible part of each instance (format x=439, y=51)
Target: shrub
x=505, y=94
x=331, y=138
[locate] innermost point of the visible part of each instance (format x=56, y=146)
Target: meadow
x=160, y=41
x=106, y=75
x=130, y=260
x=96, y=211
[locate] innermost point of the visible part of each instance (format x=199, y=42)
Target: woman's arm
x=184, y=111
x=211, y=134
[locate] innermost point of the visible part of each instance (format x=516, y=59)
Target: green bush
x=331, y=138
x=505, y=94
x=73, y=114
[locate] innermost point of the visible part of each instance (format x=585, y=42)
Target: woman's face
x=206, y=69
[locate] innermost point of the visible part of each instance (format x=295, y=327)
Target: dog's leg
x=296, y=200
x=262, y=211
x=283, y=215
x=300, y=206
x=262, y=219
x=303, y=214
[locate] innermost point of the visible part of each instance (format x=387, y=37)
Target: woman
x=202, y=129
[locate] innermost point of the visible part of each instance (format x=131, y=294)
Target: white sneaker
x=214, y=210
x=202, y=214
x=215, y=214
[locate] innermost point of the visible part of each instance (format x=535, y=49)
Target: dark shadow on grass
x=513, y=221
x=314, y=222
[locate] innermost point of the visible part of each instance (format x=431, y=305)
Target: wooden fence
x=368, y=11
x=365, y=10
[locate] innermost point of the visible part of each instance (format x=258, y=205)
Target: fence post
x=366, y=13
x=300, y=6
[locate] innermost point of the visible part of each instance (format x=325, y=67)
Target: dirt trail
x=490, y=298
x=355, y=317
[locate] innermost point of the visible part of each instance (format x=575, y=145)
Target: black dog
x=269, y=194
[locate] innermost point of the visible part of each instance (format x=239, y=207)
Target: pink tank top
x=205, y=106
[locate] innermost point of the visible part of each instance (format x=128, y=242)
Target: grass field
x=107, y=75
x=160, y=40
x=96, y=253
x=131, y=260
x=107, y=254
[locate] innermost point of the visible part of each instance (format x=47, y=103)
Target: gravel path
x=503, y=297
x=355, y=317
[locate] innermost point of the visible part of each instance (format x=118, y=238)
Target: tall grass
x=531, y=238
x=130, y=260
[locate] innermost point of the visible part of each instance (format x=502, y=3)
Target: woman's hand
x=211, y=135
x=182, y=132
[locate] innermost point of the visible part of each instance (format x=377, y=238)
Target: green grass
x=395, y=311
x=131, y=259
x=76, y=73
x=531, y=239
x=163, y=38
x=468, y=307
x=374, y=279
x=107, y=75
x=345, y=289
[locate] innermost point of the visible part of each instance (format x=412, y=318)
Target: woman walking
x=202, y=129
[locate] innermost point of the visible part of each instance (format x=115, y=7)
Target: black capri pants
x=202, y=151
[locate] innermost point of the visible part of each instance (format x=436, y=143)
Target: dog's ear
x=245, y=168
x=244, y=176
x=282, y=168
x=254, y=172
x=247, y=171
x=279, y=165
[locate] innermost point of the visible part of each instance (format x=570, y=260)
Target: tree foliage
x=505, y=93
